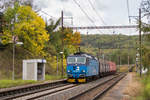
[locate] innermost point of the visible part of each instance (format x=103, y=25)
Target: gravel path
x=117, y=92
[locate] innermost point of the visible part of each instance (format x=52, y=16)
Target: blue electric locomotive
x=82, y=66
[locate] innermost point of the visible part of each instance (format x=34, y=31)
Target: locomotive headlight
x=83, y=71
x=68, y=70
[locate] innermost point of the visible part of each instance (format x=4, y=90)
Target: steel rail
x=108, y=88
x=55, y=91
x=26, y=90
x=52, y=92
x=101, y=84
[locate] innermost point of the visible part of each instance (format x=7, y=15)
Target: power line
x=97, y=13
x=47, y=14
x=84, y=12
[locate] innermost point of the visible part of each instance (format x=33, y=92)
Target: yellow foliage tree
x=76, y=39
x=30, y=29
x=71, y=41
x=71, y=38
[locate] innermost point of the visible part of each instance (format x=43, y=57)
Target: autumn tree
x=71, y=41
x=66, y=39
x=27, y=26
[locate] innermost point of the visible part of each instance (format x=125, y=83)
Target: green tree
x=67, y=39
x=146, y=29
x=54, y=44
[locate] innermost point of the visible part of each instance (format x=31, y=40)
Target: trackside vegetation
x=7, y=83
x=145, y=79
x=41, y=38
x=12, y=83
x=145, y=93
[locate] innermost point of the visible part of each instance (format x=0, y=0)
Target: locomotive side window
x=71, y=60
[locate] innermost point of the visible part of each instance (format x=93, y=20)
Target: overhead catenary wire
x=94, y=9
x=97, y=12
x=85, y=13
x=47, y=14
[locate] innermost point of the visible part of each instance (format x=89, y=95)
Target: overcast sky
x=113, y=12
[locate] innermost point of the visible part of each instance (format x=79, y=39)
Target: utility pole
x=1, y=22
x=119, y=60
x=128, y=51
x=57, y=64
x=119, y=63
x=62, y=23
x=13, y=70
x=129, y=46
x=140, y=42
x=99, y=53
x=128, y=60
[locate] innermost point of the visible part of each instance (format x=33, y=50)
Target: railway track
x=13, y=93
x=60, y=93
x=97, y=92
x=48, y=92
x=62, y=90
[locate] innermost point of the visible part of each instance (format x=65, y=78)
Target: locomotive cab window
x=81, y=60
x=71, y=60
x=76, y=60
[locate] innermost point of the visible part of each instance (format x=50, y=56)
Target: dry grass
x=123, y=68
x=133, y=89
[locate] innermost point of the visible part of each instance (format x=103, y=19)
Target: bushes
x=146, y=90
x=145, y=95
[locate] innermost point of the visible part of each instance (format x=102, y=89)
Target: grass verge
x=13, y=83
x=145, y=94
x=54, y=77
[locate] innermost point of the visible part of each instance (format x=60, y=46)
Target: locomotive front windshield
x=81, y=60
x=76, y=60
x=71, y=60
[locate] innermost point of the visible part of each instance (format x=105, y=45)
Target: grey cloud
x=41, y=3
x=63, y=0
x=99, y=5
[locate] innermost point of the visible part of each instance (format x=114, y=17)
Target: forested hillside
x=111, y=47
x=109, y=41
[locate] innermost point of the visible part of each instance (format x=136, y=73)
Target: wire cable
x=48, y=14
x=97, y=12
x=94, y=9
x=85, y=13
